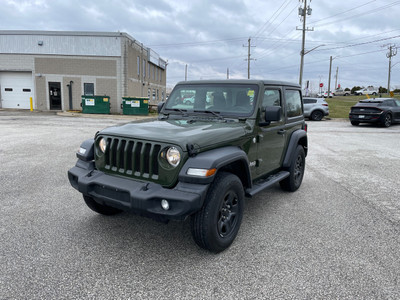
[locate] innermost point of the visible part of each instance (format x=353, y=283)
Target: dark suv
x=201, y=158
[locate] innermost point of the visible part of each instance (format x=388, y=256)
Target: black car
x=383, y=111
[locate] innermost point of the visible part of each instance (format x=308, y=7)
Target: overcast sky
x=210, y=37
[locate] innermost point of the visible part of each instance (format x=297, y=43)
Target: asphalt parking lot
x=337, y=237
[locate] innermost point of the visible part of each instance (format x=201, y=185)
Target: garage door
x=16, y=89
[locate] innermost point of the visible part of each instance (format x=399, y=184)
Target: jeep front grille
x=132, y=157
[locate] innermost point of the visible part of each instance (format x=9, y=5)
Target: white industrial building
x=55, y=68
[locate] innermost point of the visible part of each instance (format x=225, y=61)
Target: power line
x=270, y=20
x=358, y=15
x=360, y=44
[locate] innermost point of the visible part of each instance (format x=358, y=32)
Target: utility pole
x=329, y=81
x=186, y=72
x=248, y=57
x=336, y=80
x=303, y=12
x=392, y=52
x=227, y=73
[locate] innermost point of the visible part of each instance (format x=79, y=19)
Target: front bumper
x=140, y=197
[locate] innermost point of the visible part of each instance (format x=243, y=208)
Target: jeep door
x=271, y=137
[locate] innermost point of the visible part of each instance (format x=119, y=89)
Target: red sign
x=321, y=84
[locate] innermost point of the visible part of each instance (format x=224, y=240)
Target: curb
x=106, y=116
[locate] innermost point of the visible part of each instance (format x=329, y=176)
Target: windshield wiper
x=182, y=111
x=215, y=113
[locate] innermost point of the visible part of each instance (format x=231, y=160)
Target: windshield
x=223, y=99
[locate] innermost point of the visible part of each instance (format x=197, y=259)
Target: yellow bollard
x=31, y=103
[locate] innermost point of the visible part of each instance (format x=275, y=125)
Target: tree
x=382, y=90
x=355, y=88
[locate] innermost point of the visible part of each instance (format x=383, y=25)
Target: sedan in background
x=315, y=108
x=383, y=111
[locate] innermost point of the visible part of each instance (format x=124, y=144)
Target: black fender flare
x=88, y=153
x=216, y=159
x=299, y=137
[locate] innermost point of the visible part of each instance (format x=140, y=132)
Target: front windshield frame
x=219, y=99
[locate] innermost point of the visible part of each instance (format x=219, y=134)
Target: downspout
x=70, y=94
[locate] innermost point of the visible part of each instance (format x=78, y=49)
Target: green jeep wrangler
x=214, y=143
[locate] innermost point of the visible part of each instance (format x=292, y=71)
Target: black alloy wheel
x=217, y=224
x=317, y=115
x=296, y=169
x=388, y=120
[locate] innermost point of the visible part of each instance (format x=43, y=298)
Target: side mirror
x=272, y=113
x=160, y=106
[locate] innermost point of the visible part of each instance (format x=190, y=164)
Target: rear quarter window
x=309, y=101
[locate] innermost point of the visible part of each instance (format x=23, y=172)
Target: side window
x=271, y=98
x=293, y=103
x=309, y=101
x=397, y=102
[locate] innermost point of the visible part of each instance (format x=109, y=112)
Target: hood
x=182, y=132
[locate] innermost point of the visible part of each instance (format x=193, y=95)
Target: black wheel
x=100, y=208
x=216, y=225
x=388, y=120
x=317, y=115
x=355, y=123
x=296, y=170
x=374, y=94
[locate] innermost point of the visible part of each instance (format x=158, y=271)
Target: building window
x=8, y=89
x=26, y=90
x=138, y=65
x=88, y=89
x=144, y=68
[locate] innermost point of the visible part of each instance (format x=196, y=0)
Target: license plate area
x=361, y=116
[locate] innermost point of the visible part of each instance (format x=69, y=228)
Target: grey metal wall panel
x=61, y=45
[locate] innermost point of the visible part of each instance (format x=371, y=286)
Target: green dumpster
x=135, y=106
x=95, y=104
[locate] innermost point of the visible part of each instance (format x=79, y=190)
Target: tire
x=317, y=115
x=296, y=169
x=216, y=225
x=100, y=208
x=387, y=121
x=374, y=94
x=355, y=123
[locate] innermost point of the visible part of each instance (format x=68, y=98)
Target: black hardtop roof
x=241, y=81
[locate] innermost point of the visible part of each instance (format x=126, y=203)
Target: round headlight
x=103, y=145
x=173, y=156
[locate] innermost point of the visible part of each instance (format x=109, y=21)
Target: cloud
x=212, y=36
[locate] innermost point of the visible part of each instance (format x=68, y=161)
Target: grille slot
x=132, y=157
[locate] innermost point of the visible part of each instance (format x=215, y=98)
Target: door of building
x=16, y=89
x=55, y=95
